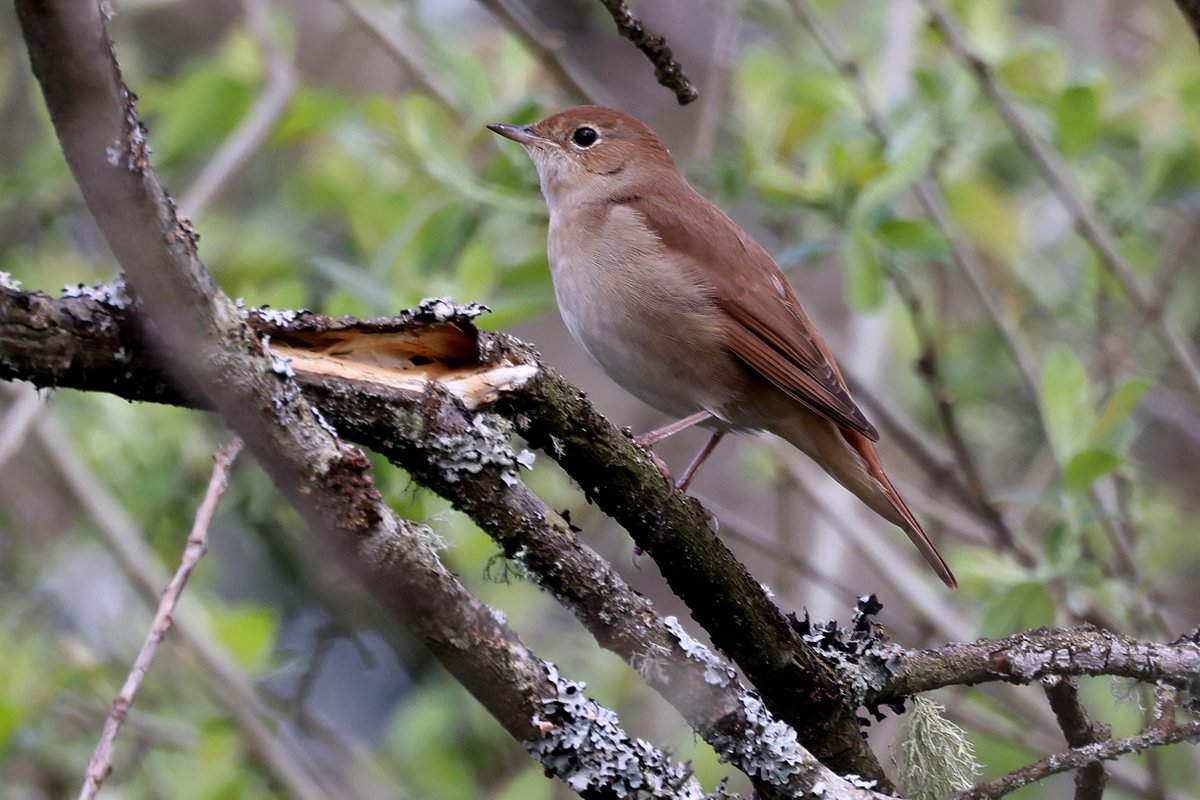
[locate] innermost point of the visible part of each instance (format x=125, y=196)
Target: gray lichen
x=485, y=443
x=938, y=760
x=113, y=294
x=766, y=748
x=583, y=743
x=444, y=309
x=717, y=671
x=279, y=318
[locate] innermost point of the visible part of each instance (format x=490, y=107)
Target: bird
x=687, y=312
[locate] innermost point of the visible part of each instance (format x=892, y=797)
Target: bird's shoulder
x=765, y=323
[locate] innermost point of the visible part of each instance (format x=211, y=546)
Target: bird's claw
x=659, y=463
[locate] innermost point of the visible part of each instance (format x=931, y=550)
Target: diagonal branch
x=1087, y=219
x=100, y=765
x=211, y=353
x=1079, y=757
x=434, y=430
x=548, y=48
x=1080, y=730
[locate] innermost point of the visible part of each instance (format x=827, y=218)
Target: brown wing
x=766, y=325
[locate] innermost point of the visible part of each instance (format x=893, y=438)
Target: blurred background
x=332, y=155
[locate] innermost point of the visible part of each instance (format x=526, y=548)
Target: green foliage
x=364, y=201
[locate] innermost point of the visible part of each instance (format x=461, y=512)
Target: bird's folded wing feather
x=766, y=326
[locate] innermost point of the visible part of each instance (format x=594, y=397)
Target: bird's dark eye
x=585, y=136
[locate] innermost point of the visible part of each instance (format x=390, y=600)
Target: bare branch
x=227, y=686
x=1080, y=730
x=1076, y=758
x=1029, y=656
x=1087, y=219
x=396, y=43
x=211, y=351
x=667, y=70
x=252, y=131
x=100, y=765
x=548, y=47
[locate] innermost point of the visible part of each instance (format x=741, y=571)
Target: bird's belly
x=651, y=333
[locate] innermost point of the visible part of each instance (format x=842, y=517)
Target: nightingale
x=683, y=309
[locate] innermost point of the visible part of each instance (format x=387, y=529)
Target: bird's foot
x=646, y=442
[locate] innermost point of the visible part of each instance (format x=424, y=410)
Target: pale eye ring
x=584, y=137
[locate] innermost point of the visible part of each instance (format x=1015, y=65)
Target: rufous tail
x=891, y=506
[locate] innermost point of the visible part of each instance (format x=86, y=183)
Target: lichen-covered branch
x=436, y=431
x=1030, y=656
x=206, y=347
x=1080, y=730
x=1078, y=757
x=667, y=70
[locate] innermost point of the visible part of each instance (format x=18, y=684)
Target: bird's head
x=589, y=151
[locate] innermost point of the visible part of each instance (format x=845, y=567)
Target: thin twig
x=929, y=195
x=400, y=47
x=227, y=686
x=1079, y=729
x=1087, y=219
x=100, y=765
x=929, y=366
x=1075, y=758
x=547, y=47
x=252, y=132
x=712, y=104
x=17, y=421
x=667, y=70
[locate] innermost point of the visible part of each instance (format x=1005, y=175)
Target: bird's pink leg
x=704, y=453
x=648, y=439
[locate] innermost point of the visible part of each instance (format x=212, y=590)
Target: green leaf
x=987, y=216
x=1086, y=467
x=1119, y=406
x=1077, y=119
x=913, y=237
x=1066, y=407
x=1061, y=544
x=1022, y=606
x=907, y=157
x=864, y=271
x=249, y=635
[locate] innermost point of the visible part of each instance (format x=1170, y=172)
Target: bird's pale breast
x=636, y=314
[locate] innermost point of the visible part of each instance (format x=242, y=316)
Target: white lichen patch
x=766, y=747
x=7, y=281
x=444, y=309
x=113, y=295
x=485, y=443
x=717, y=671
x=583, y=744
x=279, y=318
